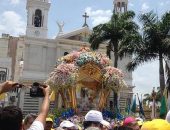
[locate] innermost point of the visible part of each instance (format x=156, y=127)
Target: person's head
x=28, y=120
x=139, y=121
x=68, y=125
x=48, y=124
x=11, y=118
x=93, y=119
x=131, y=123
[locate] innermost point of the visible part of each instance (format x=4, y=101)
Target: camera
x=36, y=90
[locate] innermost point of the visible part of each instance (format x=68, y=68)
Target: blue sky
x=13, y=21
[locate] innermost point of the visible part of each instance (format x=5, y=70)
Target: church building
x=36, y=55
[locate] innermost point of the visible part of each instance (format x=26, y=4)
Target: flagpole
x=153, y=115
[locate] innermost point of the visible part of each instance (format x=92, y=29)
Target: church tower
x=120, y=6
x=37, y=18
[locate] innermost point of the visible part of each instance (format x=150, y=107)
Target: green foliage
x=120, y=34
x=154, y=39
x=148, y=97
x=154, y=44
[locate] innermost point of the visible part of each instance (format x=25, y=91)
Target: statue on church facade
x=60, y=26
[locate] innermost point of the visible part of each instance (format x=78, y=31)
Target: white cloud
x=162, y=4
x=98, y=16
x=12, y=23
x=131, y=4
x=145, y=7
x=146, y=77
x=14, y=1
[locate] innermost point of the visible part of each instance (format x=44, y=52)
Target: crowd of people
x=11, y=118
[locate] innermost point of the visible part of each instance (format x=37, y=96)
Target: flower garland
x=62, y=76
x=100, y=59
x=113, y=78
x=71, y=58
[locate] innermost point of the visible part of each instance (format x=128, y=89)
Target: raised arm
x=7, y=86
x=45, y=106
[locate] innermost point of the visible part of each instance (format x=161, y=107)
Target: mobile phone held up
x=36, y=90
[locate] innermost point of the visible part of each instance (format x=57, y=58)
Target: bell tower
x=37, y=18
x=120, y=6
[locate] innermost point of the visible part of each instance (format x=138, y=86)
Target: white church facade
x=40, y=54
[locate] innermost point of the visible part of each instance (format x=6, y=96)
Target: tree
x=167, y=70
x=154, y=45
x=119, y=34
x=149, y=98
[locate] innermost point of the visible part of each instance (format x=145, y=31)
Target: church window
x=38, y=18
x=2, y=76
x=123, y=4
x=118, y=4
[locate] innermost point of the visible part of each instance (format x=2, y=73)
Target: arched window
x=118, y=4
x=38, y=18
x=123, y=4
x=2, y=76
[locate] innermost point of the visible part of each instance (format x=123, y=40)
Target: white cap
x=168, y=116
x=94, y=115
x=106, y=123
x=66, y=124
x=139, y=119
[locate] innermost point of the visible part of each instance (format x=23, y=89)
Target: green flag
x=133, y=108
x=163, y=109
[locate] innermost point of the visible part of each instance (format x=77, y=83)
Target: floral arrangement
x=113, y=78
x=84, y=55
x=104, y=60
x=69, y=58
x=63, y=75
x=98, y=58
x=109, y=70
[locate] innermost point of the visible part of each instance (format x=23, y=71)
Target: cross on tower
x=85, y=18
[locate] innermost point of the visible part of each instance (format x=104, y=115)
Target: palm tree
x=155, y=44
x=148, y=97
x=119, y=32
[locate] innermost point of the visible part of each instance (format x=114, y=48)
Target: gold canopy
x=89, y=75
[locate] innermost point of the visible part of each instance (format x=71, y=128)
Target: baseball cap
x=94, y=115
x=67, y=124
x=128, y=120
x=49, y=119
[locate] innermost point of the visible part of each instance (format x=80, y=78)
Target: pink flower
x=113, y=71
